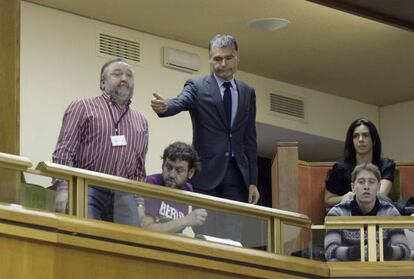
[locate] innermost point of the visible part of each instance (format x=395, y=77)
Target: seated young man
x=344, y=245
x=180, y=163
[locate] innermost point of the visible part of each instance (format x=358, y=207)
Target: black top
x=338, y=179
x=356, y=210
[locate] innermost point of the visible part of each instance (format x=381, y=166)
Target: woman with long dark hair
x=362, y=145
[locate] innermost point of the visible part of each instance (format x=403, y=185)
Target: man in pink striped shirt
x=104, y=134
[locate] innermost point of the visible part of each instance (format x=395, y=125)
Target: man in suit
x=223, y=114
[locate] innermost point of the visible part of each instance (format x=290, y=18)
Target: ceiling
x=399, y=13
x=323, y=48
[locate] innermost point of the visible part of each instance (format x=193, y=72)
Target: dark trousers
x=222, y=224
x=112, y=206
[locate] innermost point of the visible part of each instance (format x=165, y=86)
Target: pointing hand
x=158, y=104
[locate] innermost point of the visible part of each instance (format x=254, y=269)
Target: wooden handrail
x=80, y=179
x=315, y=164
x=389, y=221
x=275, y=218
x=14, y=162
x=330, y=164
x=373, y=225
x=141, y=188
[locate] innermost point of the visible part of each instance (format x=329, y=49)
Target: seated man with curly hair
x=180, y=163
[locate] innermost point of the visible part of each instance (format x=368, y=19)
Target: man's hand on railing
x=61, y=201
x=254, y=194
x=196, y=217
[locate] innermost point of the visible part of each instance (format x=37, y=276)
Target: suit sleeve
x=140, y=172
x=186, y=100
x=250, y=140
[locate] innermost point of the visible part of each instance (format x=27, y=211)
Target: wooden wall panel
x=81, y=263
x=24, y=258
x=46, y=254
x=311, y=192
x=37, y=244
x=285, y=177
x=9, y=94
x=407, y=181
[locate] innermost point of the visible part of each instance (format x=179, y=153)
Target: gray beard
x=120, y=93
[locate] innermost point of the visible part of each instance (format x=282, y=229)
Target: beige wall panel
x=397, y=132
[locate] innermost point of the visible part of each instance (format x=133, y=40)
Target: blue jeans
x=112, y=206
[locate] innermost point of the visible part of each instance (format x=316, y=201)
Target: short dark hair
x=367, y=167
x=107, y=64
x=184, y=152
x=222, y=41
x=349, y=150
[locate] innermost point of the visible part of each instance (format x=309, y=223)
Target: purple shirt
x=85, y=139
x=157, y=180
x=165, y=210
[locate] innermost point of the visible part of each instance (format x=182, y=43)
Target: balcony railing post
x=362, y=243
x=81, y=197
x=277, y=239
x=72, y=196
x=372, y=243
x=381, y=243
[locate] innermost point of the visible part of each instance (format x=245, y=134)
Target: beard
x=170, y=183
x=174, y=183
x=120, y=92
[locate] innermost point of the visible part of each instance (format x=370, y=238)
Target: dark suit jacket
x=211, y=134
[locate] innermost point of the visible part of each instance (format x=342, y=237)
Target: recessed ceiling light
x=268, y=24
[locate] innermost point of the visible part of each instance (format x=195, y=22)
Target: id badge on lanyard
x=118, y=140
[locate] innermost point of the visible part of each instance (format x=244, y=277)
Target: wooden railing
x=299, y=186
x=36, y=244
x=79, y=179
x=275, y=220
x=374, y=226
x=374, y=267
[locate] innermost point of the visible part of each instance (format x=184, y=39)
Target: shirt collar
x=108, y=98
x=220, y=81
x=356, y=210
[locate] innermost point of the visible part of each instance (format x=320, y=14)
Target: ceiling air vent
x=287, y=105
x=109, y=45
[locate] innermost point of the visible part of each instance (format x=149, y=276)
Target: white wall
x=327, y=115
x=59, y=63
x=397, y=131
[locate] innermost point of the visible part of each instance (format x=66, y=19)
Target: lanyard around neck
x=116, y=123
